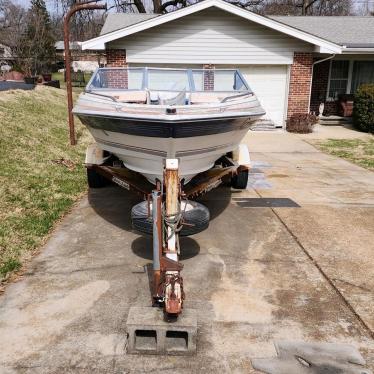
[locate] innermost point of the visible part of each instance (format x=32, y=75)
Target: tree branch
x=140, y=6
x=170, y=3
x=306, y=6
x=247, y=4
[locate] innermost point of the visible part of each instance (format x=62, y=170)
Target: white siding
x=210, y=36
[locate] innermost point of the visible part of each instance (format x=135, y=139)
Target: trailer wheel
x=240, y=180
x=195, y=215
x=95, y=180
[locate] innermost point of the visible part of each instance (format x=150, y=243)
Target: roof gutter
x=358, y=51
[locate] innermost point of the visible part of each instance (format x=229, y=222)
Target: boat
x=146, y=115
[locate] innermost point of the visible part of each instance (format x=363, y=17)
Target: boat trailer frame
x=166, y=198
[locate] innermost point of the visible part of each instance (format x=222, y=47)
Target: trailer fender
x=94, y=155
x=241, y=155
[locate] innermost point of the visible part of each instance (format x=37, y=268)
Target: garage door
x=270, y=85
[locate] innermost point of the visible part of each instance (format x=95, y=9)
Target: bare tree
x=12, y=21
x=307, y=7
x=365, y=8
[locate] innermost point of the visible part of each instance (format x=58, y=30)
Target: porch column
x=300, y=83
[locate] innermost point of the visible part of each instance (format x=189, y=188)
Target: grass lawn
x=41, y=175
x=358, y=151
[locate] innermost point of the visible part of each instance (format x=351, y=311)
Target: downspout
x=311, y=79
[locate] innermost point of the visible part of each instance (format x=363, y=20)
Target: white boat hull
x=147, y=155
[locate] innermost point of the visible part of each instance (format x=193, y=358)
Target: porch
x=334, y=84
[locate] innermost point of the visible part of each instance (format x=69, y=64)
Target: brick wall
x=300, y=81
x=116, y=57
x=208, y=77
x=116, y=78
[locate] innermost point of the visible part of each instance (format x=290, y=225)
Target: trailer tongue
x=167, y=218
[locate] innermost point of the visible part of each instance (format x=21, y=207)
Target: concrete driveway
x=291, y=258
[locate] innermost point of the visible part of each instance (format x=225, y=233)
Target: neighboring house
x=81, y=60
x=6, y=57
x=276, y=55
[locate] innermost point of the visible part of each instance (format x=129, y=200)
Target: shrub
x=363, y=109
x=301, y=123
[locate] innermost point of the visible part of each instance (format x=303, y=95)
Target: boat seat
x=168, y=98
x=206, y=97
x=137, y=97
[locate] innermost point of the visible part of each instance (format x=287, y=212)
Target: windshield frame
x=145, y=79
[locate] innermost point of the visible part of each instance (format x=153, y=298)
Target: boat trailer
x=151, y=331
x=166, y=213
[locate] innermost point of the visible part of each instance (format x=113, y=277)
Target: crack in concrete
x=324, y=275
x=352, y=284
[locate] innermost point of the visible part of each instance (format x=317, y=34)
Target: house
x=6, y=56
x=88, y=60
x=292, y=63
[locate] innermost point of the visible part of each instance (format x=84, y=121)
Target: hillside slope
x=41, y=175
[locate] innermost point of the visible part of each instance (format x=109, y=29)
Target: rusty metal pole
x=75, y=8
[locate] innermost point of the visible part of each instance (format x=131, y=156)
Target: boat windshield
x=157, y=79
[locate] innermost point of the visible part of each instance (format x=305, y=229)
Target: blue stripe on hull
x=177, y=129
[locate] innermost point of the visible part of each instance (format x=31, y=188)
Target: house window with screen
x=338, y=78
x=346, y=76
x=363, y=72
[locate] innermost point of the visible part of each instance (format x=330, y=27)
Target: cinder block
x=148, y=333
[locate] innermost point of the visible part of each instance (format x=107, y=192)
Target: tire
x=196, y=215
x=96, y=180
x=240, y=180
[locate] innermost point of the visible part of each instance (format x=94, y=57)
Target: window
x=363, y=72
x=135, y=79
x=338, y=78
x=168, y=80
x=228, y=81
x=346, y=76
x=118, y=78
x=218, y=80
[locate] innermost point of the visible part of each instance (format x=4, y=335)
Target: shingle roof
x=351, y=31
x=117, y=21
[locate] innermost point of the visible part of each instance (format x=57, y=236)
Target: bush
x=301, y=123
x=363, y=109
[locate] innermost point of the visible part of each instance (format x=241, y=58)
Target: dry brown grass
x=35, y=190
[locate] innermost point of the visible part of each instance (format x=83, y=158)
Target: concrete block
x=148, y=333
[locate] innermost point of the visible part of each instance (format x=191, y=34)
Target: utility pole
x=77, y=7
